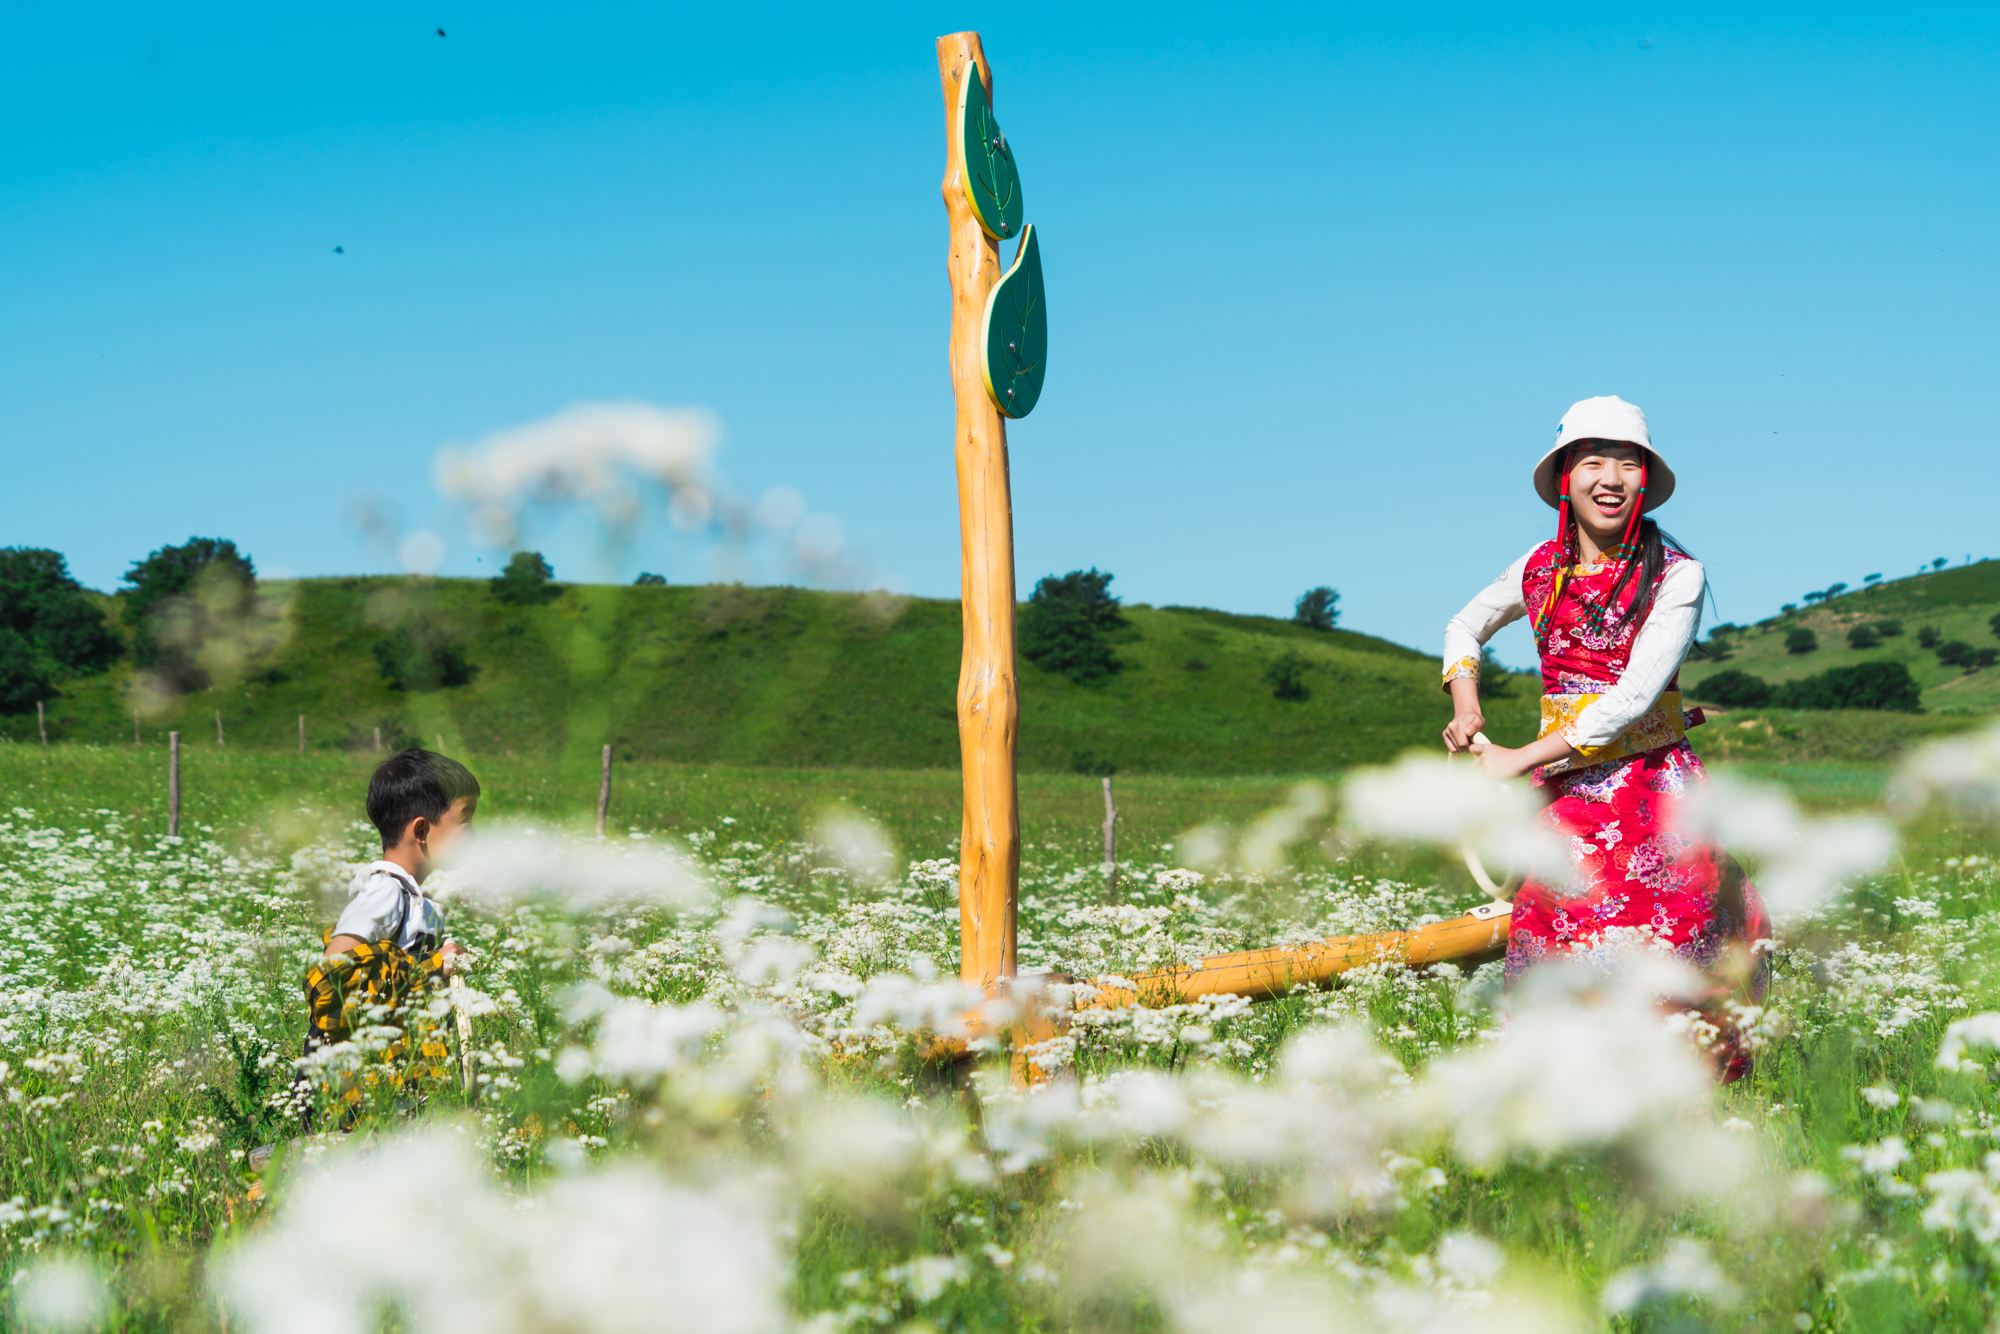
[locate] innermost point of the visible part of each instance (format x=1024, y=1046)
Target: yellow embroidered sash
x=1662, y=725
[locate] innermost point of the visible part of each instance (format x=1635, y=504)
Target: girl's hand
x=1504, y=761
x=452, y=954
x=1465, y=725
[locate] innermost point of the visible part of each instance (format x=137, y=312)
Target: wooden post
x=1110, y=837
x=136, y=739
x=988, y=709
x=440, y=749
x=218, y=728
x=302, y=734
x=378, y=741
x=42, y=723
x=604, y=793
x=173, y=784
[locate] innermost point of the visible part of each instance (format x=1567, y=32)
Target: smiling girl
x=1615, y=604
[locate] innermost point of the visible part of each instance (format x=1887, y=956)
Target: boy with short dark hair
x=390, y=938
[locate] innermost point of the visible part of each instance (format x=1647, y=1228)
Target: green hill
x=1959, y=603
x=783, y=676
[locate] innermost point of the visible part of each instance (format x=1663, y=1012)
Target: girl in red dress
x=1615, y=605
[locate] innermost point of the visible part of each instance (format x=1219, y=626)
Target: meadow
x=704, y=1102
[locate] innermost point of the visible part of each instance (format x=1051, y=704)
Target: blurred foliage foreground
x=701, y=1105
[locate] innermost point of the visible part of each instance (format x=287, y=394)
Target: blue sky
x=1321, y=280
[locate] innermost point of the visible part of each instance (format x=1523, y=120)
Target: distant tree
x=1888, y=629
x=1789, y=608
x=1957, y=653
x=417, y=658
x=525, y=581
x=1869, y=685
x=1317, y=609
x=1091, y=763
x=1928, y=637
x=1814, y=597
x=1864, y=636
x=1286, y=675
x=24, y=673
x=1495, y=681
x=1834, y=592
x=1735, y=689
x=1065, y=625
x=41, y=603
x=1940, y=562
x=181, y=597
x=649, y=580
x=1995, y=622
x=1986, y=657
x=1871, y=578
x=1801, y=640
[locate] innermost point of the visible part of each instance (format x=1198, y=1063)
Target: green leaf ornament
x=991, y=182
x=1014, y=341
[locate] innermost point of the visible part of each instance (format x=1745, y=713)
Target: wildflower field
x=704, y=1101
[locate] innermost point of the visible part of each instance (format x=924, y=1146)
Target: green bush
x=1928, y=637
x=1995, y=622
x=1065, y=624
x=649, y=580
x=1286, y=676
x=421, y=660
x=181, y=597
x=1735, y=689
x=1868, y=685
x=1801, y=640
x=1863, y=636
x=24, y=673
x=1956, y=653
x=1888, y=629
x=1317, y=609
x=525, y=581
x=1986, y=658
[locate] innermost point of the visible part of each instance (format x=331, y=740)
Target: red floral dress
x=1634, y=874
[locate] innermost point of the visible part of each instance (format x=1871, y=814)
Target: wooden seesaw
x=998, y=355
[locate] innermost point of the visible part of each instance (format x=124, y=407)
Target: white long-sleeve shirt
x=383, y=894
x=1657, y=651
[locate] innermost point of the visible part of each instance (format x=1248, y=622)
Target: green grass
x=787, y=677
x=1960, y=603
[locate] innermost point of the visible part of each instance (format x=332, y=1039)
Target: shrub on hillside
x=1995, y=622
x=1286, y=675
x=1091, y=763
x=1986, y=658
x=1735, y=689
x=1888, y=629
x=1863, y=636
x=199, y=594
x=525, y=581
x=1495, y=681
x=1869, y=685
x=1801, y=640
x=649, y=580
x=1956, y=653
x=1317, y=609
x=421, y=660
x=57, y=627
x=1065, y=625
x=1928, y=637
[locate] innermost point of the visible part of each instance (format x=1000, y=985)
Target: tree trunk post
x=42, y=724
x=1110, y=837
x=988, y=708
x=173, y=784
x=604, y=793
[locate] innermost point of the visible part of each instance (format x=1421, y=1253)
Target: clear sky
x=1322, y=280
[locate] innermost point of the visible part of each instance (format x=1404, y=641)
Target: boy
x=387, y=940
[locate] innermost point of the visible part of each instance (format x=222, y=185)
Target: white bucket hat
x=1606, y=418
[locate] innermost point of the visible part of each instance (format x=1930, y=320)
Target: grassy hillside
x=1959, y=602
x=789, y=677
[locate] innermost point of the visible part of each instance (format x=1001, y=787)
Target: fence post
x=604, y=793
x=378, y=741
x=135, y=725
x=302, y=734
x=42, y=723
x=1110, y=836
x=173, y=784
x=218, y=728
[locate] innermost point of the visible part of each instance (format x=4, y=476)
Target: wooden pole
x=136, y=739
x=378, y=741
x=42, y=723
x=440, y=749
x=302, y=734
x=604, y=793
x=173, y=784
x=218, y=728
x=988, y=708
x=1110, y=836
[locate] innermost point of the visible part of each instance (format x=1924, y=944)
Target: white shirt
x=1657, y=650
x=376, y=901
